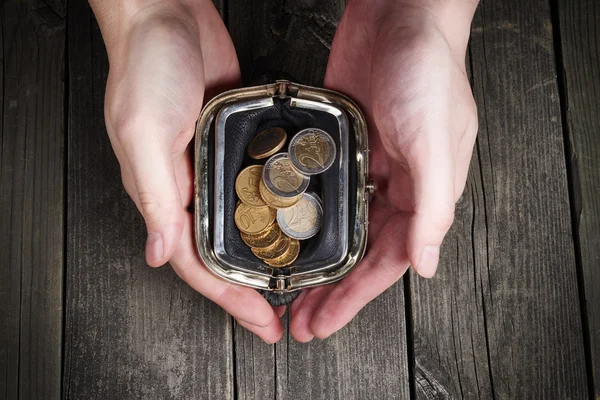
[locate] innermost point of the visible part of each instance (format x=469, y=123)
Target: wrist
x=117, y=18
x=451, y=18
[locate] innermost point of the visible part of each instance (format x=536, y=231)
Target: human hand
x=165, y=59
x=406, y=69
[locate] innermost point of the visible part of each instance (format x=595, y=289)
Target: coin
x=267, y=143
x=276, y=201
x=303, y=219
x=282, y=179
x=246, y=186
x=288, y=257
x=276, y=250
x=312, y=151
x=253, y=220
x=264, y=239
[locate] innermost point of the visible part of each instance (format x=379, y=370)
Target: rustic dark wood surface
x=31, y=198
x=502, y=318
x=513, y=312
x=130, y=331
x=580, y=46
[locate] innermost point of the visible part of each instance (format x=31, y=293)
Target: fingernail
x=309, y=339
x=154, y=248
x=430, y=256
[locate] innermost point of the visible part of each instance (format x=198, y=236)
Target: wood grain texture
x=31, y=198
x=580, y=37
x=131, y=331
x=368, y=358
x=502, y=319
x=365, y=360
x=293, y=37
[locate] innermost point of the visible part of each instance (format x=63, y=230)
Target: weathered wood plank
x=450, y=338
x=131, y=331
x=367, y=359
x=580, y=37
x=31, y=198
x=501, y=319
x=293, y=37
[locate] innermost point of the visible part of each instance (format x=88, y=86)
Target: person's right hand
x=165, y=59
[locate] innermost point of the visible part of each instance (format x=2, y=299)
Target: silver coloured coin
x=282, y=179
x=302, y=220
x=312, y=151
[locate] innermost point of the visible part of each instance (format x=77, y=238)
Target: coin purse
x=224, y=129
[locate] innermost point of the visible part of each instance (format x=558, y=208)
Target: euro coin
x=288, y=257
x=253, y=220
x=263, y=239
x=276, y=250
x=312, y=151
x=273, y=200
x=267, y=143
x=303, y=219
x=282, y=179
x=246, y=186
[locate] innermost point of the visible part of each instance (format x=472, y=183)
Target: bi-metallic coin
x=267, y=143
x=312, y=151
x=246, y=186
x=282, y=179
x=303, y=219
x=276, y=201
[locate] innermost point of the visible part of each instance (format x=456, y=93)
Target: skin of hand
x=404, y=64
x=166, y=58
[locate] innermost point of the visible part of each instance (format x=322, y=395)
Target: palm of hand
x=420, y=112
x=159, y=85
x=159, y=77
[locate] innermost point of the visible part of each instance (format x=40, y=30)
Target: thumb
x=432, y=174
x=155, y=192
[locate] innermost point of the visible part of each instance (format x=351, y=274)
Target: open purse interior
x=225, y=128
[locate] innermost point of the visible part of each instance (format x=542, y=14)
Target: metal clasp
x=286, y=89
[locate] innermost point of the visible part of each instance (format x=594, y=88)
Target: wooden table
x=514, y=311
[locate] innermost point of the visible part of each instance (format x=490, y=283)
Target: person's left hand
x=407, y=72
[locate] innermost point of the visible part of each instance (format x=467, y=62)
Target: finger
x=270, y=334
x=463, y=159
x=298, y=300
x=383, y=265
x=432, y=172
x=184, y=174
x=242, y=303
x=280, y=310
x=302, y=314
x=156, y=193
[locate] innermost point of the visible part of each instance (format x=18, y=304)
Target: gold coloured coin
x=288, y=257
x=303, y=219
x=276, y=201
x=282, y=179
x=267, y=143
x=312, y=151
x=276, y=250
x=253, y=220
x=264, y=239
x=246, y=186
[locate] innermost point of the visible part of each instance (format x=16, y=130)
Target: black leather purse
x=224, y=129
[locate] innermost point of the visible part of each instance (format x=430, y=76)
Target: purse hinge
x=280, y=284
x=286, y=89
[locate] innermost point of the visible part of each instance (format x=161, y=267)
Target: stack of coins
x=274, y=211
